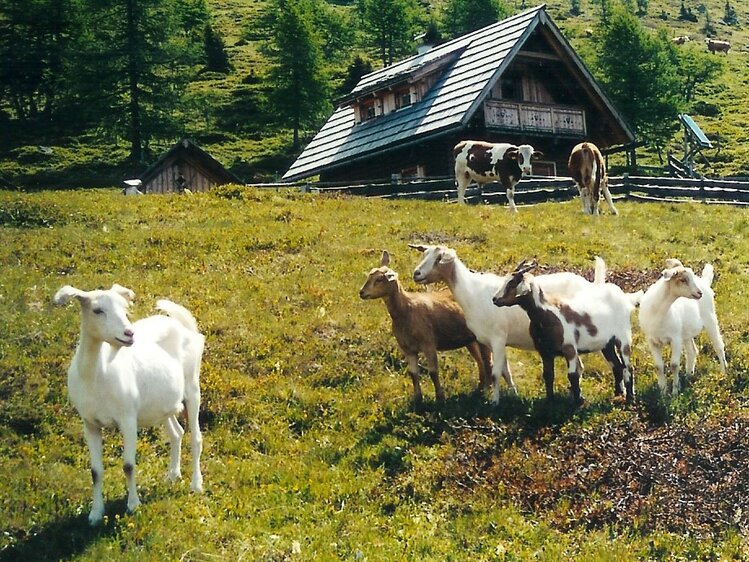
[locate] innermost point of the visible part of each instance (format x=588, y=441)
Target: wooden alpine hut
x=517, y=80
x=185, y=166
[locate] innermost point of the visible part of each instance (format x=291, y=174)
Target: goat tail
x=707, y=274
x=599, y=276
x=179, y=313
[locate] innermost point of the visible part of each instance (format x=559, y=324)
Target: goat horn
x=525, y=266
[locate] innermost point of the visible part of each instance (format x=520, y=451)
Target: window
x=412, y=172
x=367, y=110
x=512, y=87
x=402, y=98
x=544, y=168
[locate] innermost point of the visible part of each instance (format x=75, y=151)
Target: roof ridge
x=460, y=42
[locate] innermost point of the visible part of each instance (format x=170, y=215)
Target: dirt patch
x=677, y=478
x=628, y=279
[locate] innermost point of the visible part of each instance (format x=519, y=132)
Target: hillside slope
x=228, y=118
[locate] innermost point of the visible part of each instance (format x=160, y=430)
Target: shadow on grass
x=515, y=418
x=63, y=539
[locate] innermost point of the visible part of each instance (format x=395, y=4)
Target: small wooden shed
x=185, y=166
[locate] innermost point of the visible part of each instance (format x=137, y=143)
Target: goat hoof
x=95, y=517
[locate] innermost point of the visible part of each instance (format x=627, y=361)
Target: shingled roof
x=187, y=149
x=473, y=64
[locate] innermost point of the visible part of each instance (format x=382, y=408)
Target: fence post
x=627, y=185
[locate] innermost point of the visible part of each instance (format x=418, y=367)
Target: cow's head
x=524, y=154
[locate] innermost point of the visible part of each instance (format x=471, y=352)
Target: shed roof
x=473, y=63
x=191, y=152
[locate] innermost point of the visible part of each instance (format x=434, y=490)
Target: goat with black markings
x=597, y=319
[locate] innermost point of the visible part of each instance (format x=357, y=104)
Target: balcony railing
x=555, y=119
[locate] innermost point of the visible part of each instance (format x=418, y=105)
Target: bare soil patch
x=683, y=479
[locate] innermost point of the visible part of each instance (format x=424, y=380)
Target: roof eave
x=363, y=156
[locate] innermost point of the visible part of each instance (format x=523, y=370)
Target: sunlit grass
x=312, y=448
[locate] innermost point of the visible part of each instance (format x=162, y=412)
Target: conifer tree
x=135, y=62
x=390, y=24
x=729, y=16
x=299, y=86
x=37, y=41
x=462, y=16
x=640, y=76
x=216, y=56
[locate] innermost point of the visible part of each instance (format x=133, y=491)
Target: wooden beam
x=539, y=56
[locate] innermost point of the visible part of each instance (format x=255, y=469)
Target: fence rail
x=540, y=189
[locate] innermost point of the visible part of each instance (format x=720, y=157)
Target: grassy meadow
x=312, y=448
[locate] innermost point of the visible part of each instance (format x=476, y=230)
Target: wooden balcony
x=535, y=118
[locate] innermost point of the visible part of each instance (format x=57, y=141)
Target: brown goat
x=425, y=323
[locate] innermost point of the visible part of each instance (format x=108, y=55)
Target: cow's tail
x=589, y=172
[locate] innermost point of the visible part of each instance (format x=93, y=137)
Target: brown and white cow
x=485, y=162
x=680, y=40
x=588, y=169
x=715, y=46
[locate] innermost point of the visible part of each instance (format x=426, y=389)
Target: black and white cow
x=485, y=162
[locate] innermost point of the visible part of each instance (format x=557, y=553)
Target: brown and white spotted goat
x=484, y=162
x=588, y=169
x=597, y=319
x=425, y=323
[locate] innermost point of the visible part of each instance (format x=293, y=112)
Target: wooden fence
x=536, y=190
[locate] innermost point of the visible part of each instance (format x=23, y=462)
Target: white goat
x=493, y=326
x=134, y=375
x=673, y=311
x=597, y=319
x=425, y=323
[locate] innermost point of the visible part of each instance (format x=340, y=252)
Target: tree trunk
x=136, y=142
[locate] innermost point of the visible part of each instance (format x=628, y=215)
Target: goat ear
x=668, y=273
x=673, y=262
x=66, y=293
x=126, y=293
x=418, y=247
x=447, y=255
x=385, y=260
x=524, y=287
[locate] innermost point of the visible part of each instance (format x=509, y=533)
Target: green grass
x=312, y=448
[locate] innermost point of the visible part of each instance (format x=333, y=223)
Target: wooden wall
x=196, y=178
